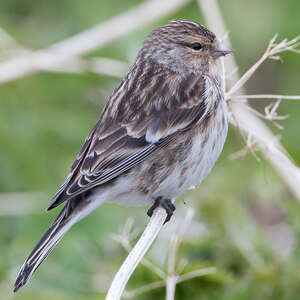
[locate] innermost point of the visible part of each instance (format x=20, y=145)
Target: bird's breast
x=207, y=147
x=189, y=162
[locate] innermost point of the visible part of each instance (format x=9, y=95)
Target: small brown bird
x=161, y=132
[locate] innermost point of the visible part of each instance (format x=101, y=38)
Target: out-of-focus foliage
x=253, y=221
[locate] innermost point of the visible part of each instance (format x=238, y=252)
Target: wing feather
x=130, y=128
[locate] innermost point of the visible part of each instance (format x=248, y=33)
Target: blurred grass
x=44, y=119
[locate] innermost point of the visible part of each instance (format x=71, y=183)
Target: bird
x=160, y=132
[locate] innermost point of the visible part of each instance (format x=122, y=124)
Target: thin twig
x=271, y=52
x=101, y=66
x=137, y=253
x=270, y=114
x=77, y=65
x=160, y=284
x=249, y=147
x=177, y=237
x=144, y=289
x=172, y=278
x=197, y=273
x=264, y=96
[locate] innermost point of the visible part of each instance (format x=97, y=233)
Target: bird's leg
x=164, y=203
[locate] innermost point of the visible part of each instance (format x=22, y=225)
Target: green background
x=252, y=220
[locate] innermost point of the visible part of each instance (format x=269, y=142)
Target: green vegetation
x=253, y=235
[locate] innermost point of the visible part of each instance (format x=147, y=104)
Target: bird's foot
x=164, y=203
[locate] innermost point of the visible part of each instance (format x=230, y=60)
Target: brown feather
x=135, y=123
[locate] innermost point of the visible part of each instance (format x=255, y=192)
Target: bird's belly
x=203, y=159
x=205, y=151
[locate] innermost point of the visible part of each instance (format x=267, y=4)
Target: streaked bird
x=160, y=132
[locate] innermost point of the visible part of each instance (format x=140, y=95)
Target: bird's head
x=184, y=46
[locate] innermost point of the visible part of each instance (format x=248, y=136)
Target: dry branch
x=272, y=52
x=173, y=276
x=73, y=64
x=125, y=237
x=265, y=96
x=247, y=121
x=135, y=256
x=99, y=36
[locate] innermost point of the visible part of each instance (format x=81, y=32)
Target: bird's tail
x=73, y=211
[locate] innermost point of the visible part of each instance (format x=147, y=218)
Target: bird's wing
x=134, y=124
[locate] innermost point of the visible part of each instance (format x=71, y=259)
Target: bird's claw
x=164, y=203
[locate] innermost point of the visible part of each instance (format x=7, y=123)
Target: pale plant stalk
x=144, y=289
x=163, y=283
x=171, y=282
x=245, y=119
x=125, y=237
x=264, y=96
x=272, y=51
x=196, y=273
x=88, y=40
x=76, y=64
x=173, y=276
x=135, y=256
x=176, y=239
x=70, y=64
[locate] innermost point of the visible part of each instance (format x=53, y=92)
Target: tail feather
x=49, y=240
x=74, y=210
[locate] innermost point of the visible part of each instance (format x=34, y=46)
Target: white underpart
x=202, y=158
x=199, y=163
x=123, y=191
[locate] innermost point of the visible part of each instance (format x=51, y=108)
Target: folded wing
x=133, y=125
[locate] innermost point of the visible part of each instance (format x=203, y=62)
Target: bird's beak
x=221, y=52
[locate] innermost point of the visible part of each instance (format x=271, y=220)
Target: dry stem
x=135, y=256
x=173, y=276
x=272, y=52
x=264, y=96
x=88, y=40
x=125, y=237
x=245, y=119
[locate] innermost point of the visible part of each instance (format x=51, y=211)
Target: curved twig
x=137, y=253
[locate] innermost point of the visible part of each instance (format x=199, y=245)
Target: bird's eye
x=196, y=46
